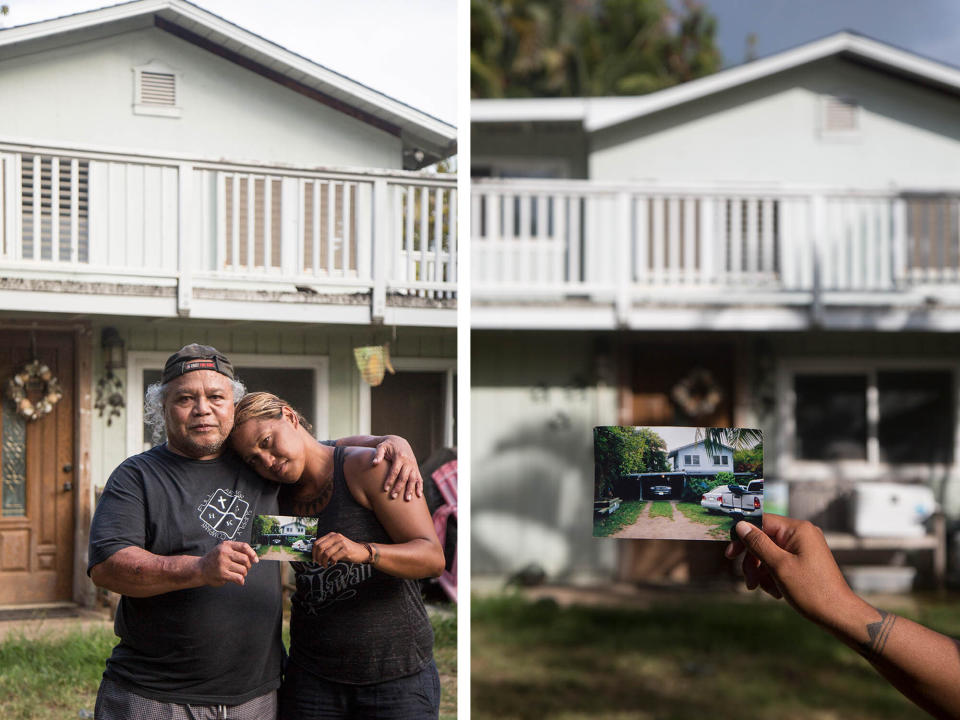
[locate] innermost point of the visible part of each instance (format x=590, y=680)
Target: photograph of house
x=169, y=177
x=774, y=245
x=676, y=483
x=283, y=537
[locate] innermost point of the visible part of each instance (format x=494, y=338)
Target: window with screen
x=831, y=417
x=916, y=423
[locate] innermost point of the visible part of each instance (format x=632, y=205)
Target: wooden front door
x=36, y=492
x=411, y=404
x=651, y=372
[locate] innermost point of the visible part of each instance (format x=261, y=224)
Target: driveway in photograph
x=663, y=528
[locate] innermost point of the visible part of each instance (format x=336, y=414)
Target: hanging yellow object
x=373, y=361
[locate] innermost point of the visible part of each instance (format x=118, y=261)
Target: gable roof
x=603, y=112
x=675, y=451
x=426, y=139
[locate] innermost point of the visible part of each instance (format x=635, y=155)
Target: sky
x=404, y=48
x=926, y=27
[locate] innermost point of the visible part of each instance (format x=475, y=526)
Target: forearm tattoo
x=878, y=632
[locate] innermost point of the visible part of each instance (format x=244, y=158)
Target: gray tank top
x=351, y=623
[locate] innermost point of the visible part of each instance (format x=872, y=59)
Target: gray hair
x=153, y=408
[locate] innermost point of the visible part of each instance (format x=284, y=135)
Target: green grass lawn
x=711, y=657
x=282, y=552
x=719, y=524
x=56, y=676
x=622, y=517
x=661, y=508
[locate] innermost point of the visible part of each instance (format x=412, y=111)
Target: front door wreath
x=50, y=393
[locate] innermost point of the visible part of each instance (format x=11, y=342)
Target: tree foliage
x=697, y=486
x=574, y=48
x=749, y=460
x=265, y=525
x=620, y=451
x=737, y=438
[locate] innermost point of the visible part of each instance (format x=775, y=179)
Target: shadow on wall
x=532, y=502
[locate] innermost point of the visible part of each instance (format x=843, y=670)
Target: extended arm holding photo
x=136, y=572
x=790, y=559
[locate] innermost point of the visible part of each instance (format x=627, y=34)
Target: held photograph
x=676, y=483
x=284, y=537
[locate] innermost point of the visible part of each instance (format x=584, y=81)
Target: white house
x=694, y=459
x=168, y=177
x=784, y=234
x=295, y=527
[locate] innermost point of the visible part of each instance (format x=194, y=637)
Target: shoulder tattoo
x=312, y=507
x=878, y=633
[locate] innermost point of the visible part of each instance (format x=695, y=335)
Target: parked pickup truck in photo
x=744, y=501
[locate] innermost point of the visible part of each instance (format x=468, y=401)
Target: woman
x=361, y=645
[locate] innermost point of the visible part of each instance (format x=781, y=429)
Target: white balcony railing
x=204, y=225
x=626, y=243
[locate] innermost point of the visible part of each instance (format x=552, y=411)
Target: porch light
x=114, y=352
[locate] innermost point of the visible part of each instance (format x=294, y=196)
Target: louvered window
x=156, y=90
x=54, y=200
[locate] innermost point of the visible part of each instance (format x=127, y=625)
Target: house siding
x=768, y=132
x=227, y=111
x=535, y=400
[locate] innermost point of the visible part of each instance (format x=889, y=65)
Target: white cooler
x=891, y=509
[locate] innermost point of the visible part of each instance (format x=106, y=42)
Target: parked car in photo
x=661, y=490
x=712, y=500
x=303, y=545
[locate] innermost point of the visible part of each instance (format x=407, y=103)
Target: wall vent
x=840, y=116
x=155, y=90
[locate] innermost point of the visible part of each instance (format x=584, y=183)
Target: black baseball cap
x=196, y=357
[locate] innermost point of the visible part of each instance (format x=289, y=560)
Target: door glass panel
x=295, y=385
x=831, y=417
x=14, y=463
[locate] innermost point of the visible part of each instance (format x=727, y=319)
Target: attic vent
x=155, y=90
x=158, y=89
x=841, y=115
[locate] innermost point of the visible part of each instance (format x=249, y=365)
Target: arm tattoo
x=879, y=632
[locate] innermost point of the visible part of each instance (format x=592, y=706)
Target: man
x=790, y=559
x=199, y=618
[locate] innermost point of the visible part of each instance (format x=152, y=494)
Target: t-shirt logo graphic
x=224, y=513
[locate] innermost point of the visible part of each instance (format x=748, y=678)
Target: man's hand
x=790, y=559
x=227, y=562
x=334, y=547
x=404, y=476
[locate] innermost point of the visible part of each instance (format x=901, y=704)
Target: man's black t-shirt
x=202, y=645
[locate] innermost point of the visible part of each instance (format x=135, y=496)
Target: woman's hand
x=334, y=547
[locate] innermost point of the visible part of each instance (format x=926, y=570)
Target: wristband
x=373, y=554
